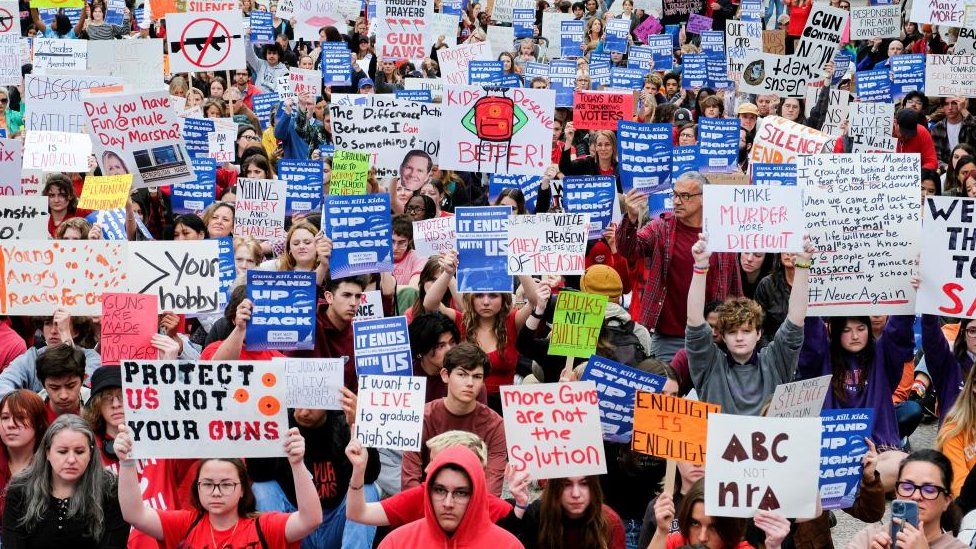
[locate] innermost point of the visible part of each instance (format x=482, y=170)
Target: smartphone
x=906, y=512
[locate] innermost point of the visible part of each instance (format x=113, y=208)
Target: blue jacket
x=285, y=130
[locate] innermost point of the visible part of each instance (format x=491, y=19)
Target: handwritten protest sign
x=205, y=409
x=55, y=54
x=950, y=75
x=304, y=184
x=382, y=346
x=617, y=384
x=768, y=73
x=128, y=324
x=53, y=103
x=220, y=146
x=947, y=13
x=837, y=109
x=56, y=151
x=182, y=274
x=774, y=41
x=435, y=236
x=598, y=110
x=260, y=208
x=841, y=450
x=576, y=324
x=313, y=383
x=948, y=274
x=552, y=430
x=108, y=192
x=753, y=219
x=645, y=155
x=24, y=218
x=869, y=22
x=870, y=128
x=370, y=306
x=802, y=398
x=820, y=39
x=965, y=42
x=779, y=141
x=754, y=463
x=361, y=234
x=350, y=171
x=283, y=311
x=390, y=412
x=482, y=243
x=741, y=37
x=454, y=61
x=670, y=427
x=862, y=216
x=547, y=244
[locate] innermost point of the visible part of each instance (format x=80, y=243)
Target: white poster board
x=184, y=274
x=747, y=218
x=390, y=412
x=434, y=236
x=547, y=243
x=802, y=398
x=948, y=282
x=313, y=383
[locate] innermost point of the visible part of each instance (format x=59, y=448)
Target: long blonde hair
x=961, y=418
x=287, y=260
x=470, y=320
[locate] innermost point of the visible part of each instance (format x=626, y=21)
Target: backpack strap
x=257, y=526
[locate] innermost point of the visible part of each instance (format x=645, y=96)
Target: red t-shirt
x=245, y=536
x=408, y=506
x=676, y=540
x=503, y=361
x=674, y=314
x=210, y=350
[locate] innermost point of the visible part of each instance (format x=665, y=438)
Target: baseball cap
x=603, y=280
x=682, y=117
x=747, y=108
x=366, y=82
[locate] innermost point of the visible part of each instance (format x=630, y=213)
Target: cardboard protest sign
x=454, y=61
x=754, y=463
x=303, y=179
x=350, y=171
x=617, y=384
x=870, y=128
x=741, y=37
x=841, y=451
x=182, y=274
x=802, y=398
x=435, y=236
x=382, y=347
x=499, y=131
x=753, y=219
x=128, y=324
x=305, y=81
x=482, y=244
x=965, y=42
x=361, y=233
x=220, y=145
x=774, y=41
x=58, y=55
x=595, y=195
x=11, y=165
x=869, y=22
x=390, y=412
x=552, y=430
x=945, y=13
x=670, y=427
x=645, y=155
x=576, y=324
x=950, y=75
x=212, y=41
x=205, y=409
x=24, y=218
x=598, y=110
x=313, y=383
x=547, y=244
x=41, y=275
x=283, y=312
x=862, y=210
x=56, y=151
x=837, y=108
x=138, y=134
x=107, y=192
x=780, y=141
x=260, y=208
x=948, y=285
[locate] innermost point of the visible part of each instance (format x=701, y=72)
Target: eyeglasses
x=971, y=332
x=218, y=488
x=251, y=137
x=441, y=493
x=686, y=196
x=906, y=489
x=414, y=209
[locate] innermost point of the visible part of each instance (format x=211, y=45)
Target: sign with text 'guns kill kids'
x=205, y=41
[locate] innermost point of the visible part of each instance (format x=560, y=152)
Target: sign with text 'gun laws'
x=205, y=41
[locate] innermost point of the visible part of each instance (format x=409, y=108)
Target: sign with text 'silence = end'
x=205, y=41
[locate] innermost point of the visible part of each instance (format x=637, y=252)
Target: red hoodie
x=476, y=530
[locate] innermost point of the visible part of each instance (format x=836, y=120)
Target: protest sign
x=741, y=37
x=138, y=134
x=617, y=35
x=755, y=463
x=482, y=244
x=313, y=383
x=128, y=324
x=283, y=311
x=571, y=38
x=870, y=128
x=862, y=216
x=382, y=346
x=484, y=72
x=595, y=195
x=718, y=144
x=138, y=62
x=414, y=95
x=454, y=61
x=530, y=186
x=547, y=243
x=10, y=62
x=907, y=74
x=361, y=234
x=502, y=11
x=205, y=409
x=841, y=450
x=551, y=29
x=648, y=27
x=260, y=208
x=262, y=28
x=196, y=136
x=873, y=85
x=24, y=218
x=264, y=104
x=698, y=23
x=390, y=412
x=767, y=73
x=336, y=70
x=182, y=274
x=779, y=141
x=820, y=39
x=645, y=155
x=678, y=10
x=598, y=110
x=433, y=85
x=552, y=430
x=774, y=174
x=753, y=219
x=7, y=10
x=945, y=13
x=641, y=57
x=56, y=151
x=670, y=427
x=617, y=384
x=195, y=196
x=108, y=192
x=662, y=52
x=694, y=71
x=304, y=184
x=400, y=38
x=220, y=145
x=311, y=15
x=774, y=41
x=576, y=324
x=11, y=165
x=370, y=306
x=869, y=22
x=39, y=275
x=947, y=260
x=837, y=108
x=500, y=39
x=498, y=131
x=965, y=42
x=57, y=55
x=434, y=236
x=212, y=41
x=713, y=43
x=523, y=22
x=802, y=398
x=562, y=80
x=442, y=25
x=950, y=75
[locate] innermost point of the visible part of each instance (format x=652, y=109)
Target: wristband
x=802, y=265
x=699, y=270
x=537, y=315
x=360, y=487
x=522, y=507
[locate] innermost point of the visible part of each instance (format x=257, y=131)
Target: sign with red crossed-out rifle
x=205, y=41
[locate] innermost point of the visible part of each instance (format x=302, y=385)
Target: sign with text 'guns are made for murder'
x=205, y=409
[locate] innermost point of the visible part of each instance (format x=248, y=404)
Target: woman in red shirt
x=23, y=420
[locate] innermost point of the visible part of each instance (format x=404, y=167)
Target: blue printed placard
x=617, y=384
x=262, y=27
x=641, y=57
x=713, y=43
x=718, y=75
x=453, y=7
x=195, y=196
x=617, y=34
x=195, y=132
x=304, y=179
x=361, y=233
x=523, y=22
x=571, y=38
x=382, y=346
x=482, y=244
x=283, y=310
x=600, y=73
x=227, y=268
x=907, y=74
x=594, y=195
x=662, y=48
x=264, y=105
x=874, y=85
x=683, y=159
x=423, y=96
x=718, y=144
x=660, y=202
x=774, y=174
x=842, y=62
x=645, y=155
x=336, y=68
x=750, y=10
x=562, y=79
x=528, y=184
x=484, y=72
x=626, y=78
x=116, y=12
x=535, y=69
x=112, y=223
x=694, y=71
x=841, y=450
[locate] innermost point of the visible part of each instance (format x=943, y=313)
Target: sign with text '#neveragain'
x=945, y=13
x=780, y=141
x=128, y=324
x=754, y=463
x=382, y=346
x=211, y=41
x=138, y=134
x=283, y=314
x=670, y=427
x=39, y=276
x=802, y=398
x=454, y=61
x=547, y=243
x=184, y=275
x=260, y=209
x=482, y=244
x=617, y=384
x=361, y=233
x=497, y=130
x=842, y=448
x=747, y=218
x=205, y=409
x=862, y=216
x=948, y=260
x=56, y=151
x=313, y=383
x=390, y=412
x=434, y=236
x=107, y=192
x=576, y=324
x=552, y=430
x=950, y=75
x=24, y=218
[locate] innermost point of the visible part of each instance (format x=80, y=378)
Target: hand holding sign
x=243, y=315
x=295, y=447
x=700, y=252
x=167, y=347
x=664, y=512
